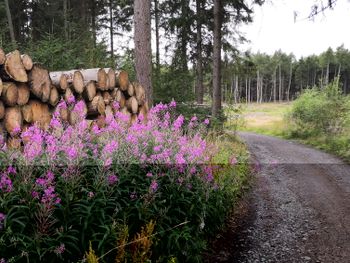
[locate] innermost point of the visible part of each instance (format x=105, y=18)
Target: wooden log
x=9, y=94
x=143, y=110
x=74, y=116
x=122, y=80
x=78, y=82
x=39, y=82
x=96, y=106
x=23, y=94
x=64, y=114
x=96, y=74
x=140, y=93
x=109, y=110
x=13, y=119
x=133, y=119
x=27, y=62
x=102, y=79
x=2, y=56
x=68, y=95
x=25, y=139
x=60, y=81
x=111, y=78
x=41, y=113
x=1, y=86
x=107, y=98
x=27, y=113
x=131, y=90
x=132, y=105
x=13, y=68
x=89, y=91
x=101, y=121
x=54, y=96
x=120, y=98
x=2, y=110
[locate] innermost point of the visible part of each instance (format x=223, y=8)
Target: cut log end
x=2, y=56
x=27, y=62
x=123, y=80
x=14, y=67
x=9, y=94
x=23, y=94
x=78, y=82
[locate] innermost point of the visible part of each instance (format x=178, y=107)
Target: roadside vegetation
x=321, y=117
x=150, y=191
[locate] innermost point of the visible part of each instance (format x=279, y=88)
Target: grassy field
x=265, y=118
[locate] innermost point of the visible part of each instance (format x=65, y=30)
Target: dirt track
x=298, y=209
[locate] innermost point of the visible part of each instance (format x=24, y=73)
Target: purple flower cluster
x=45, y=186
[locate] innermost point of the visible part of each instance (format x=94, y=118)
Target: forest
x=133, y=131
x=81, y=34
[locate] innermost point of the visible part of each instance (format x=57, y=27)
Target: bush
x=320, y=111
x=77, y=192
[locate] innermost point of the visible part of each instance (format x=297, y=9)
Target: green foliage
x=173, y=84
x=58, y=54
x=320, y=111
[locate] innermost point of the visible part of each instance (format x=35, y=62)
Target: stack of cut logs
x=29, y=94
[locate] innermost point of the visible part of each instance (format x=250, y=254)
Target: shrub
x=77, y=192
x=320, y=111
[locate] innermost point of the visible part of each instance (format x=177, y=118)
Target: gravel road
x=298, y=209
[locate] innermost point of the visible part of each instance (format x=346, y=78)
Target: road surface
x=298, y=209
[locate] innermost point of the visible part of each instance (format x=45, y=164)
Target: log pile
x=29, y=94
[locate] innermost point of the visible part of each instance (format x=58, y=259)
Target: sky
x=274, y=28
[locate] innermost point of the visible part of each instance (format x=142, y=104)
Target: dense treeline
x=196, y=34
x=281, y=77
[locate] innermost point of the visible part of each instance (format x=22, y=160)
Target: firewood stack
x=29, y=94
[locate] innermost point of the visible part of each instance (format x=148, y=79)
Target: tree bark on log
x=13, y=68
x=9, y=93
x=23, y=94
x=96, y=74
x=39, y=82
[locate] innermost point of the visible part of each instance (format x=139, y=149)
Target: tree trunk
x=9, y=20
x=290, y=81
x=65, y=18
x=216, y=107
x=111, y=27
x=156, y=18
x=279, y=84
x=142, y=39
x=199, y=86
x=257, y=86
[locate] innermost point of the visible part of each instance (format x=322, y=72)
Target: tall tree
x=142, y=40
x=10, y=24
x=216, y=107
x=199, y=64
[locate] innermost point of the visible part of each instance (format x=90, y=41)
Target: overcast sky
x=274, y=28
